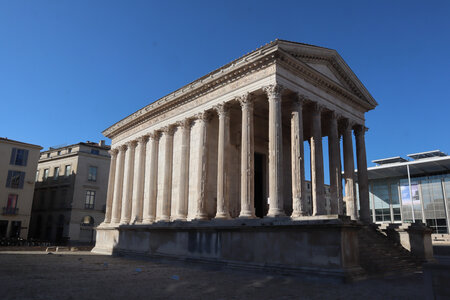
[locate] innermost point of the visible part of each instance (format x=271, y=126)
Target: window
x=69, y=150
x=15, y=179
x=67, y=170
x=45, y=174
x=56, y=173
x=11, y=205
x=37, y=175
x=48, y=155
x=12, y=201
x=59, y=152
x=19, y=157
x=90, y=200
x=92, y=176
x=95, y=151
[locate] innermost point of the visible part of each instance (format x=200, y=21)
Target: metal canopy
x=421, y=167
x=434, y=153
x=389, y=160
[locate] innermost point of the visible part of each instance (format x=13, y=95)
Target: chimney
x=102, y=143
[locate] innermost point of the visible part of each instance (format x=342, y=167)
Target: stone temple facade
x=228, y=150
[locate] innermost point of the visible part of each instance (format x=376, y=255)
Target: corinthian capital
x=167, y=130
x=203, y=116
x=142, y=139
x=273, y=91
x=359, y=130
x=113, y=152
x=132, y=144
x=222, y=109
x=245, y=100
x=183, y=123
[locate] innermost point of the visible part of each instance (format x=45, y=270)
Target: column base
x=222, y=216
x=275, y=213
x=298, y=215
x=124, y=222
x=148, y=221
x=247, y=215
x=201, y=217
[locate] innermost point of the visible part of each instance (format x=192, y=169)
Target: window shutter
x=25, y=158
x=8, y=180
x=22, y=179
x=12, y=161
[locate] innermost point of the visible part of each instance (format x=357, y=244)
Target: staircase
x=381, y=257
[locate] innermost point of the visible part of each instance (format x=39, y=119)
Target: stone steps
x=379, y=256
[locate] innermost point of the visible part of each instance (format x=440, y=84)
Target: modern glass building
x=406, y=190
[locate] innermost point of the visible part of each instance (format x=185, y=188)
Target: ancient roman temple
x=215, y=171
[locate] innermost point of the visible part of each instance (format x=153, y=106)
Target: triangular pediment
x=329, y=64
x=328, y=71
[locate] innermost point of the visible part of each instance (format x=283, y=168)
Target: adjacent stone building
x=70, y=193
x=215, y=170
x=18, y=163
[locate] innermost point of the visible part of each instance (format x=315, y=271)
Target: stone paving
x=82, y=275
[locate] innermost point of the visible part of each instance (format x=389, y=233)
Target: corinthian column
x=118, y=185
x=349, y=169
x=138, y=180
x=334, y=155
x=222, y=162
x=167, y=134
x=363, y=181
x=298, y=162
x=183, y=175
x=317, y=176
x=110, y=193
x=202, y=176
x=128, y=183
x=247, y=157
x=151, y=179
x=275, y=151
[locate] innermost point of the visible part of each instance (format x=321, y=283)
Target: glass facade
x=427, y=199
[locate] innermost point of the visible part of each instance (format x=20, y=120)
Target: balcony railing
x=10, y=211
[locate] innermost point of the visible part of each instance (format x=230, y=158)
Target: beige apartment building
x=70, y=193
x=18, y=163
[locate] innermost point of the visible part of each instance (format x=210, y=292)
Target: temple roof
x=323, y=63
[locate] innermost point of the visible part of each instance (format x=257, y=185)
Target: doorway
x=259, y=190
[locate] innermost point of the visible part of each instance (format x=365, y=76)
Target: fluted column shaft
x=334, y=155
x=222, y=162
x=349, y=169
x=138, y=180
x=317, y=175
x=128, y=174
x=111, y=181
x=363, y=181
x=118, y=185
x=276, y=204
x=247, y=158
x=151, y=179
x=167, y=135
x=202, y=176
x=298, y=162
x=183, y=175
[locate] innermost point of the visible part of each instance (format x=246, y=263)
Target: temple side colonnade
x=144, y=169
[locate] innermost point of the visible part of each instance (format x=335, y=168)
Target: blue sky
x=70, y=69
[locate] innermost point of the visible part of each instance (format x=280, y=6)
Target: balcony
x=10, y=211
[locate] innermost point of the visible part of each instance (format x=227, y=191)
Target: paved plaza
x=82, y=275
